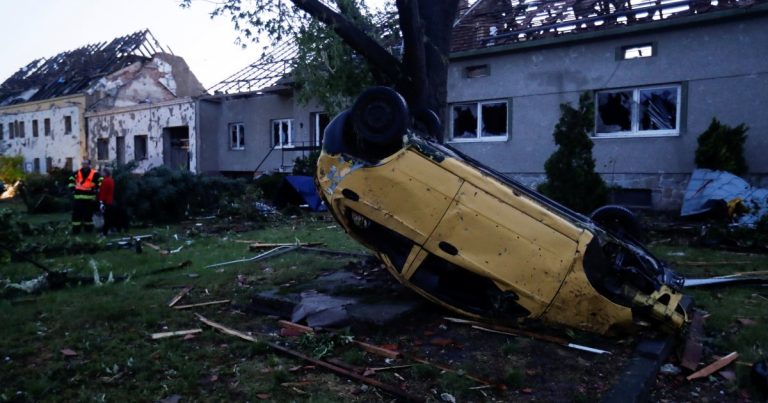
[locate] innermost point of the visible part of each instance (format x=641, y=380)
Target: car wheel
x=380, y=118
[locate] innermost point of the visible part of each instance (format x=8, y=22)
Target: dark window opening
x=68, y=164
x=236, y=136
x=477, y=71
x=48, y=164
x=614, y=112
x=2, y=131
x=36, y=163
x=47, y=127
x=35, y=129
x=102, y=149
x=140, y=147
x=282, y=133
x=67, y=124
x=658, y=109
x=320, y=121
x=11, y=130
x=464, y=121
x=20, y=128
x=638, y=111
x=494, y=119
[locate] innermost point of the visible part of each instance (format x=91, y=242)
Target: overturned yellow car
x=477, y=242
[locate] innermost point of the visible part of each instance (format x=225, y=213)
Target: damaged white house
x=124, y=100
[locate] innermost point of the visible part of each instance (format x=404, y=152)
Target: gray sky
x=42, y=28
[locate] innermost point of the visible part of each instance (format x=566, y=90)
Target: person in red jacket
x=106, y=200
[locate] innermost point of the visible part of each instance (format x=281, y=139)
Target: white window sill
x=284, y=146
x=237, y=149
x=479, y=139
x=625, y=135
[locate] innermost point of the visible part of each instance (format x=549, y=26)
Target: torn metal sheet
x=320, y=310
x=706, y=188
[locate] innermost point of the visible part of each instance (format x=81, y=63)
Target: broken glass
x=465, y=121
x=494, y=119
x=658, y=109
x=614, y=112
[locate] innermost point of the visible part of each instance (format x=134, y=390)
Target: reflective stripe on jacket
x=88, y=184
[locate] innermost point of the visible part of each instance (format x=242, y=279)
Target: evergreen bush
x=11, y=168
x=721, y=148
x=571, y=176
x=306, y=165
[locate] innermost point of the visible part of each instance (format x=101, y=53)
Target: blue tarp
x=304, y=187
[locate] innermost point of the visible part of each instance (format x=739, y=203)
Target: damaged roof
x=270, y=70
x=72, y=71
x=490, y=23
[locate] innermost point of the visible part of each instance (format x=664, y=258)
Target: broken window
x=319, y=121
x=236, y=136
x=102, y=149
x=648, y=111
x=35, y=129
x=47, y=127
x=67, y=124
x=20, y=129
x=11, y=130
x=477, y=71
x=140, y=147
x=36, y=162
x=282, y=133
x=637, y=51
x=479, y=121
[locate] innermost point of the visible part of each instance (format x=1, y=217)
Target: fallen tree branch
x=179, y=296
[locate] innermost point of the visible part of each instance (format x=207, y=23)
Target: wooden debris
x=259, y=246
x=223, y=301
x=341, y=371
x=179, y=266
x=451, y=370
x=714, y=367
x=155, y=247
x=179, y=296
x=68, y=352
x=380, y=351
x=693, y=345
x=163, y=335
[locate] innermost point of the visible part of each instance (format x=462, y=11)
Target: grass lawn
x=92, y=343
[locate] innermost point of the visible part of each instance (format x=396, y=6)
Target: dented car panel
x=482, y=245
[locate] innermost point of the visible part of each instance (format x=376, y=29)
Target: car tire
x=380, y=118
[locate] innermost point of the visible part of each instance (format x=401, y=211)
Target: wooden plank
x=179, y=296
x=380, y=351
x=693, y=344
x=224, y=329
x=714, y=367
x=223, y=301
x=295, y=326
x=163, y=335
x=259, y=246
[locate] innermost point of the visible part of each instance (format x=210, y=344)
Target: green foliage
x=269, y=184
x=164, y=195
x=515, y=378
x=306, y=165
x=721, y=148
x=571, y=176
x=326, y=69
x=47, y=193
x=10, y=236
x=320, y=345
x=11, y=168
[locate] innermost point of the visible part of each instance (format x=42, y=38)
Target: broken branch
x=224, y=329
x=179, y=296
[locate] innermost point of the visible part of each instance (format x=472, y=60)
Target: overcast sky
x=32, y=29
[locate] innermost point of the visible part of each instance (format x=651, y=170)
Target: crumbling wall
x=58, y=145
x=141, y=120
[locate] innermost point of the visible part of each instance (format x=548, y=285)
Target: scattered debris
x=223, y=301
x=320, y=310
x=380, y=351
x=714, y=367
x=179, y=266
x=163, y=335
x=487, y=327
x=257, y=246
x=386, y=387
x=270, y=253
x=68, y=352
x=669, y=369
x=707, y=189
x=179, y=296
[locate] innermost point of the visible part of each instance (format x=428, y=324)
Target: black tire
x=380, y=118
x=618, y=220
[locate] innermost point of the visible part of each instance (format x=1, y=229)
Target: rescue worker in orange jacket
x=85, y=183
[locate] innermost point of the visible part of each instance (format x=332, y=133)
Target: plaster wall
x=145, y=119
x=720, y=67
x=58, y=145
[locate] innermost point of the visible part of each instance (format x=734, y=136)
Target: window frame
x=144, y=139
x=281, y=145
x=47, y=127
x=35, y=128
x=240, y=127
x=635, y=117
x=317, y=137
x=105, y=142
x=478, y=129
x=67, y=124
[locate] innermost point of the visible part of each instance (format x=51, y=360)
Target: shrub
x=47, y=193
x=11, y=168
x=571, y=176
x=721, y=148
x=306, y=165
